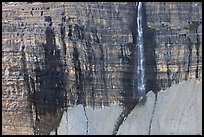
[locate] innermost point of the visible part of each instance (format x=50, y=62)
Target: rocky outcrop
x=177, y=110
x=83, y=53
x=100, y=120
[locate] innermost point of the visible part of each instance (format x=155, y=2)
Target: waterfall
x=140, y=55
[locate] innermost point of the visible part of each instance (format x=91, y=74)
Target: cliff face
x=177, y=31
x=83, y=53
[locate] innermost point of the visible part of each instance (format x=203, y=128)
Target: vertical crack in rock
x=87, y=121
x=56, y=131
x=66, y=122
x=150, y=124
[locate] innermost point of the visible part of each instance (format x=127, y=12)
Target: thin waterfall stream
x=139, y=88
x=140, y=56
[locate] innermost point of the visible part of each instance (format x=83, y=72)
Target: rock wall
x=83, y=53
x=177, y=28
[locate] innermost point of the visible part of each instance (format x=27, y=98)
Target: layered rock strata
x=83, y=53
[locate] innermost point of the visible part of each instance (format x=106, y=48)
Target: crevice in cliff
x=56, y=131
x=87, y=121
x=154, y=107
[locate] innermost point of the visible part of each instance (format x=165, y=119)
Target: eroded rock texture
x=56, y=54
x=177, y=31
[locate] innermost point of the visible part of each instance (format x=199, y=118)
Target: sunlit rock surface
x=100, y=121
x=73, y=122
x=99, y=117
x=138, y=120
x=177, y=110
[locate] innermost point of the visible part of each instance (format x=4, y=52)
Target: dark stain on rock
x=49, y=99
x=168, y=57
x=62, y=32
x=78, y=75
x=127, y=79
x=149, y=55
x=28, y=83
